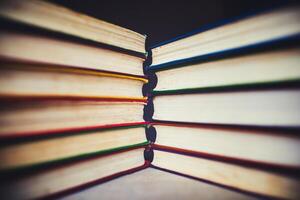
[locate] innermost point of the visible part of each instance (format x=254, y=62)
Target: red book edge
x=288, y=132
x=67, y=130
x=17, y=98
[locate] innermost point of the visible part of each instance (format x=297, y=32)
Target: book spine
x=148, y=87
x=151, y=134
x=149, y=108
x=148, y=155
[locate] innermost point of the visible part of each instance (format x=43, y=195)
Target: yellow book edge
x=75, y=71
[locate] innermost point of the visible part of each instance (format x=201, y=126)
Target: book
x=259, y=29
x=22, y=118
x=277, y=65
x=59, y=19
x=73, y=176
x=265, y=107
x=29, y=80
x=243, y=178
x=45, y=150
x=273, y=148
x=15, y=46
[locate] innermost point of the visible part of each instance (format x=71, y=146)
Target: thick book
x=273, y=107
x=31, y=117
x=29, y=80
x=264, y=147
x=267, y=27
x=63, y=147
x=272, y=66
x=35, y=48
x=267, y=183
x=59, y=19
x=55, y=181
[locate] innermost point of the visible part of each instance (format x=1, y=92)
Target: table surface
x=156, y=184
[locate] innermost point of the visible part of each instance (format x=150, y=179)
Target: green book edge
x=223, y=88
x=71, y=158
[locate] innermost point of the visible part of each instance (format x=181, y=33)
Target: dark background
x=165, y=19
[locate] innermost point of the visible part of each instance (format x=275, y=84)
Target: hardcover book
x=261, y=182
x=37, y=117
x=25, y=154
x=279, y=147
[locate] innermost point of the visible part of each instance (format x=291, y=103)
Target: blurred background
x=163, y=20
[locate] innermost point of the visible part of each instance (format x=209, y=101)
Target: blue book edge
x=226, y=52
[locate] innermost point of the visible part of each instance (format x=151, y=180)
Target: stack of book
x=71, y=100
x=227, y=102
x=81, y=103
